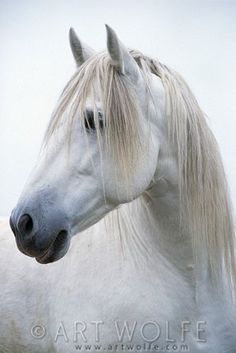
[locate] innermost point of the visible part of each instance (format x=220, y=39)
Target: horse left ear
x=81, y=52
x=120, y=56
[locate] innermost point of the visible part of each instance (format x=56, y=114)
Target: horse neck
x=154, y=220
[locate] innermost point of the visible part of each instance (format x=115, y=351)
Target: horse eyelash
x=89, y=120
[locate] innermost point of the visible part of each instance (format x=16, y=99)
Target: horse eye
x=89, y=120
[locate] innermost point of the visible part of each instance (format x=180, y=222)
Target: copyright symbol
x=38, y=331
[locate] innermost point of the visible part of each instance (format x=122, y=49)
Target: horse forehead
x=93, y=102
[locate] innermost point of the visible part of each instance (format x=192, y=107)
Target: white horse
x=131, y=171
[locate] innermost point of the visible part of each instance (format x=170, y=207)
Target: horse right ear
x=81, y=51
x=121, y=57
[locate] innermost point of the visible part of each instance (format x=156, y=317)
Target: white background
x=197, y=38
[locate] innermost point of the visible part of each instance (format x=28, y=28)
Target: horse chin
x=56, y=250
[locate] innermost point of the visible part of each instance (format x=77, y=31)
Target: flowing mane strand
x=203, y=189
x=203, y=192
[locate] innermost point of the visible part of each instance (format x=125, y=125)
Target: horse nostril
x=25, y=224
x=12, y=225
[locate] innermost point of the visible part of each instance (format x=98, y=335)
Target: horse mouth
x=56, y=250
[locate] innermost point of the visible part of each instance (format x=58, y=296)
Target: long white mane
x=203, y=193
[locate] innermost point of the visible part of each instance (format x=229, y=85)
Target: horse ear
x=80, y=51
x=121, y=57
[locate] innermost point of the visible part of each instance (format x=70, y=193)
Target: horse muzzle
x=41, y=230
